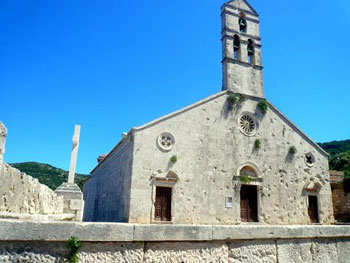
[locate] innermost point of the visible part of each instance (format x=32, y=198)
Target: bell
x=241, y=22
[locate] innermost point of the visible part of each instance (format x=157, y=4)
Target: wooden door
x=313, y=209
x=163, y=204
x=249, y=203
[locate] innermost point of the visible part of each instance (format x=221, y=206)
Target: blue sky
x=113, y=64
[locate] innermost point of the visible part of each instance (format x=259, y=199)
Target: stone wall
x=46, y=243
x=107, y=191
x=341, y=199
x=211, y=150
x=22, y=196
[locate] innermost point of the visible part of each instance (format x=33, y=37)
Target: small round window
x=166, y=141
x=247, y=125
x=310, y=159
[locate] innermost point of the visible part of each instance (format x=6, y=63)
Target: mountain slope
x=339, y=155
x=47, y=174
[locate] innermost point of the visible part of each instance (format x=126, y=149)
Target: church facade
x=228, y=159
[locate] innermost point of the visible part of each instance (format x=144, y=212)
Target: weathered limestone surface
x=341, y=199
x=61, y=231
x=36, y=242
x=211, y=149
x=343, y=246
x=20, y=193
x=22, y=196
x=44, y=252
x=169, y=233
x=256, y=251
x=107, y=191
x=294, y=251
x=239, y=75
x=177, y=252
x=324, y=251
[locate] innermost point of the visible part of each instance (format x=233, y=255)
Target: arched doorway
x=248, y=195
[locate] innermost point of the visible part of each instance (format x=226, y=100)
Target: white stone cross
x=73, y=160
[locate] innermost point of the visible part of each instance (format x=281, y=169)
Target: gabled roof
x=206, y=100
x=173, y=114
x=242, y=4
x=217, y=95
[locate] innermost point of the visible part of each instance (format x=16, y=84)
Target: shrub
x=292, y=150
x=257, y=144
x=263, y=106
x=232, y=101
x=73, y=246
x=173, y=159
x=245, y=179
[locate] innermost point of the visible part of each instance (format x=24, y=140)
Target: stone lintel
x=15, y=230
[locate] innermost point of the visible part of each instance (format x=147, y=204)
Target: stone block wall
x=341, y=199
x=211, y=150
x=22, y=196
x=160, y=244
x=20, y=193
x=107, y=191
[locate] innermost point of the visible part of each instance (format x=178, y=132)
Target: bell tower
x=241, y=49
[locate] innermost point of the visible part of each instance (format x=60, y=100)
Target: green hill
x=47, y=174
x=339, y=155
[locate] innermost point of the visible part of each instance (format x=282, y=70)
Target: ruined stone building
x=228, y=159
x=24, y=197
x=341, y=196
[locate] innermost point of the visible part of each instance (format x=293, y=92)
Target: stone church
x=230, y=158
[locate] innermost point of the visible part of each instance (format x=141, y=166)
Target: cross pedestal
x=73, y=196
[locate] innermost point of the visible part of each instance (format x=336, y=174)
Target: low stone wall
x=340, y=198
x=20, y=193
x=23, y=197
x=46, y=242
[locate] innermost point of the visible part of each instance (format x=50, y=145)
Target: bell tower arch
x=241, y=49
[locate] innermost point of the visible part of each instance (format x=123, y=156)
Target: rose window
x=247, y=124
x=166, y=141
x=309, y=159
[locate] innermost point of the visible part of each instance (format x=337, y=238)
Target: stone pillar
x=3, y=134
x=73, y=196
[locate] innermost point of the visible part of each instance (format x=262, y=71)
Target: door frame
x=313, y=193
x=169, y=182
x=258, y=181
x=257, y=204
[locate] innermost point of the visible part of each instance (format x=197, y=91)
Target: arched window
x=236, y=47
x=242, y=23
x=251, y=52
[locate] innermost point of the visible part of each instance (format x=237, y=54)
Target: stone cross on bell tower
x=241, y=49
x=73, y=197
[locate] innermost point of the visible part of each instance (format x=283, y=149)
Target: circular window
x=247, y=125
x=309, y=159
x=166, y=141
